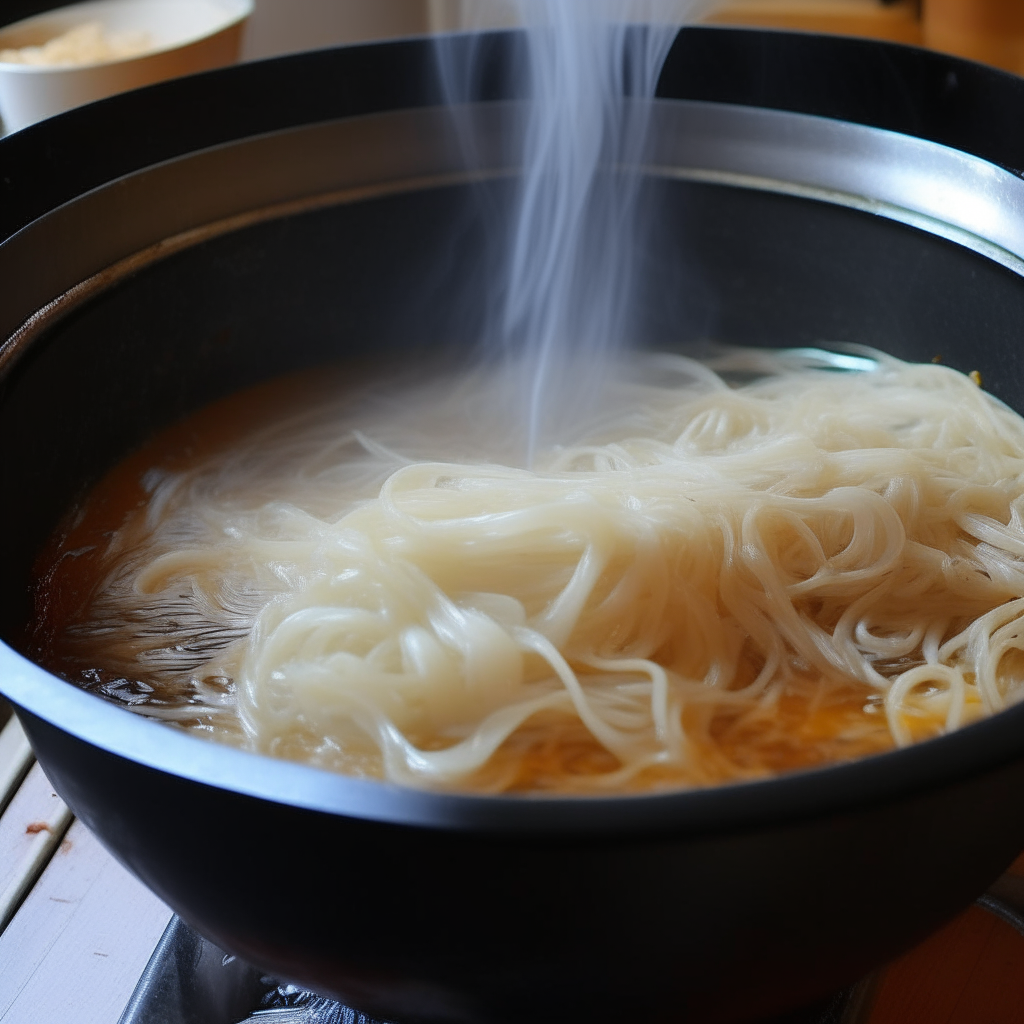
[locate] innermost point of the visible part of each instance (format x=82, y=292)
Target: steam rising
x=591, y=68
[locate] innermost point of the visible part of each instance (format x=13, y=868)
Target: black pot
x=172, y=245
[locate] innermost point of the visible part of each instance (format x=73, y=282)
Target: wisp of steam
x=591, y=70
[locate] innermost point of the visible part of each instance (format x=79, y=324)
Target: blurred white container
x=186, y=36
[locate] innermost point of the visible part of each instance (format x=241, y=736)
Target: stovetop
x=190, y=981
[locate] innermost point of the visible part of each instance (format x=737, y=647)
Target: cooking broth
x=742, y=567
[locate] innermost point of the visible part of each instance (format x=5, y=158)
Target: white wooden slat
x=79, y=943
x=15, y=759
x=30, y=830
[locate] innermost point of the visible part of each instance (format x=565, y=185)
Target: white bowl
x=186, y=35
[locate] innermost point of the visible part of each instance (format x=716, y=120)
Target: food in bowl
x=73, y=55
x=84, y=44
x=746, y=566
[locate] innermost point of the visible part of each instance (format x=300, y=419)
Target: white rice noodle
x=707, y=547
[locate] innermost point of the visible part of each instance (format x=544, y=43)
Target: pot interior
x=403, y=265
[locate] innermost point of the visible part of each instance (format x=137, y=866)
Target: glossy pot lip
x=938, y=189
x=983, y=747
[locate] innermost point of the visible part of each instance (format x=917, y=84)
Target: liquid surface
x=763, y=563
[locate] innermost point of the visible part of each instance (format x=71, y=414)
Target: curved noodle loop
x=715, y=582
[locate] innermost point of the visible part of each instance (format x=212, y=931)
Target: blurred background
x=991, y=31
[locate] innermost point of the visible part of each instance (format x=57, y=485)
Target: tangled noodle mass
x=798, y=559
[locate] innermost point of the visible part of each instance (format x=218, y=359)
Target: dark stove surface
x=190, y=981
